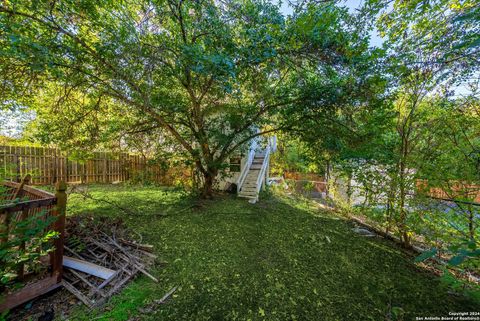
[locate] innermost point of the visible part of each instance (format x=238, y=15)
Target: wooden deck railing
x=246, y=166
x=20, y=202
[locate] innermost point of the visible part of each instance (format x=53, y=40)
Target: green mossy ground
x=267, y=261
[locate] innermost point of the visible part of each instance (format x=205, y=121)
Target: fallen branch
x=87, y=195
x=166, y=296
x=145, y=247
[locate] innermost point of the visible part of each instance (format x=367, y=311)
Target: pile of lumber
x=101, y=256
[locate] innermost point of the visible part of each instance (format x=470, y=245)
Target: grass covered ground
x=267, y=261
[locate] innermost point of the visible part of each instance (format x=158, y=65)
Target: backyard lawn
x=279, y=259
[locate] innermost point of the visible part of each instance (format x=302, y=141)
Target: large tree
x=431, y=50
x=208, y=73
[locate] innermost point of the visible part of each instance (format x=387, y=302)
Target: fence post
x=66, y=167
x=17, y=164
x=59, y=226
x=105, y=168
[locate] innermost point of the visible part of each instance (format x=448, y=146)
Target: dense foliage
x=204, y=75
x=194, y=81
x=423, y=138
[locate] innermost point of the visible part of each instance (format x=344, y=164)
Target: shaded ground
x=274, y=260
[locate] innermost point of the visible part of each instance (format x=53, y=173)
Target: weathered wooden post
x=59, y=226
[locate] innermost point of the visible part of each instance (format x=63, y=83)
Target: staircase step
x=250, y=195
x=249, y=187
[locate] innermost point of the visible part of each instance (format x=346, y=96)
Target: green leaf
x=457, y=260
x=261, y=312
x=426, y=255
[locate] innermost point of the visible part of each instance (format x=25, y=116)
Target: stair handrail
x=266, y=160
x=246, y=167
x=273, y=143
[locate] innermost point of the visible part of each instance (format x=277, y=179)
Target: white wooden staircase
x=255, y=177
x=254, y=173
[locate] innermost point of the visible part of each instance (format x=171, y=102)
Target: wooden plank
x=27, y=205
x=30, y=189
x=87, y=267
x=59, y=212
x=77, y=293
x=93, y=288
x=29, y=292
x=20, y=187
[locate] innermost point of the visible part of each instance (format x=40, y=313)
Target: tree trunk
x=406, y=240
x=390, y=204
x=208, y=182
x=471, y=224
x=403, y=213
x=327, y=177
x=403, y=227
x=349, y=189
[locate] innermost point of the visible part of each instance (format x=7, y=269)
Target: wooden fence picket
x=50, y=165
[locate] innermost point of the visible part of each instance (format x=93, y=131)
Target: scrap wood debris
x=101, y=256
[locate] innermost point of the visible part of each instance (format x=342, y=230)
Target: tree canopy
x=205, y=73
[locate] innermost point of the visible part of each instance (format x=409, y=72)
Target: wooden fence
x=456, y=190
x=303, y=176
x=49, y=165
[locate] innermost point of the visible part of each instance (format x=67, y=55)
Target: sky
x=13, y=122
x=375, y=39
